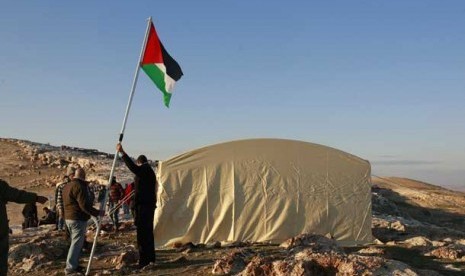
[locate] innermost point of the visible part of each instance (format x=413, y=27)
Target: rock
x=23, y=251
x=397, y=225
x=437, y=243
x=177, y=245
x=451, y=267
x=212, y=245
x=28, y=265
x=38, y=251
x=378, y=242
x=371, y=251
x=460, y=241
x=451, y=252
x=178, y=260
x=125, y=226
x=448, y=240
x=418, y=241
x=186, y=246
x=317, y=242
x=187, y=251
x=394, y=268
x=282, y=268
x=43, y=266
x=149, y=267
x=311, y=268
x=125, y=259
x=337, y=263
x=237, y=244
x=231, y=263
x=260, y=266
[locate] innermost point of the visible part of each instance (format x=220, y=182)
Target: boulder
x=316, y=242
x=18, y=252
x=339, y=263
x=450, y=252
x=397, y=225
x=126, y=258
x=394, y=268
x=231, y=263
x=418, y=241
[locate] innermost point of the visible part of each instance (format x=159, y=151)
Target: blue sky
x=383, y=80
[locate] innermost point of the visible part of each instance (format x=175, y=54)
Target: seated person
x=30, y=215
x=49, y=218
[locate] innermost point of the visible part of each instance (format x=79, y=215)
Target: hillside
x=39, y=167
x=419, y=227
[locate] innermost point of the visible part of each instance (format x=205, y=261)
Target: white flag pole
x=128, y=107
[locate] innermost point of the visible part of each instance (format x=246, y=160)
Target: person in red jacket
x=128, y=205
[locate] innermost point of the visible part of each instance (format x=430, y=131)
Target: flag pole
x=128, y=107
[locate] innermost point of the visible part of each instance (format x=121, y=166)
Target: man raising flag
x=164, y=71
x=145, y=187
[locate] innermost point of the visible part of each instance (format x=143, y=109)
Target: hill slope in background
x=39, y=167
x=419, y=227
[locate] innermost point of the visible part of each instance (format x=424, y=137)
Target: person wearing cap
x=59, y=197
x=10, y=194
x=78, y=210
x=145, y=187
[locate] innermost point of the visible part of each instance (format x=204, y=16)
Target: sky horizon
x=381, y=80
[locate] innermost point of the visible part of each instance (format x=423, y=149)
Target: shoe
x=140, y=266
x=73, y=272
x=81, y=269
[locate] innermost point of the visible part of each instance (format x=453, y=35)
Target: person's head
x=70, y=171
x=80, y=174
x=141, y=160
x=113, y=179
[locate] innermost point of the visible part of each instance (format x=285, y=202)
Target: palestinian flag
x=160, y=66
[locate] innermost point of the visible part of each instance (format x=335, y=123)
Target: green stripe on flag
x=158, y=77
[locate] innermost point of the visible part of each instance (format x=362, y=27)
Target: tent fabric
x=263, y=190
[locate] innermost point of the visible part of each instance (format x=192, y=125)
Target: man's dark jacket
x=145, y=183
x=77, y=202
x=7, y=194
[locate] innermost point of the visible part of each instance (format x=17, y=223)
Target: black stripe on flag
x=172, y=67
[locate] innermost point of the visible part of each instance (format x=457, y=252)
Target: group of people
x=74, y=207
x=120, y=197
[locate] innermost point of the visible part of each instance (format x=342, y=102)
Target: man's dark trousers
x=145, y=241
x=3, y=255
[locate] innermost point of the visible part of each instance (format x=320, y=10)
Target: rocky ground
x=419, y=230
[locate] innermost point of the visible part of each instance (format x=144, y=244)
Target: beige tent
x=263, y=190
